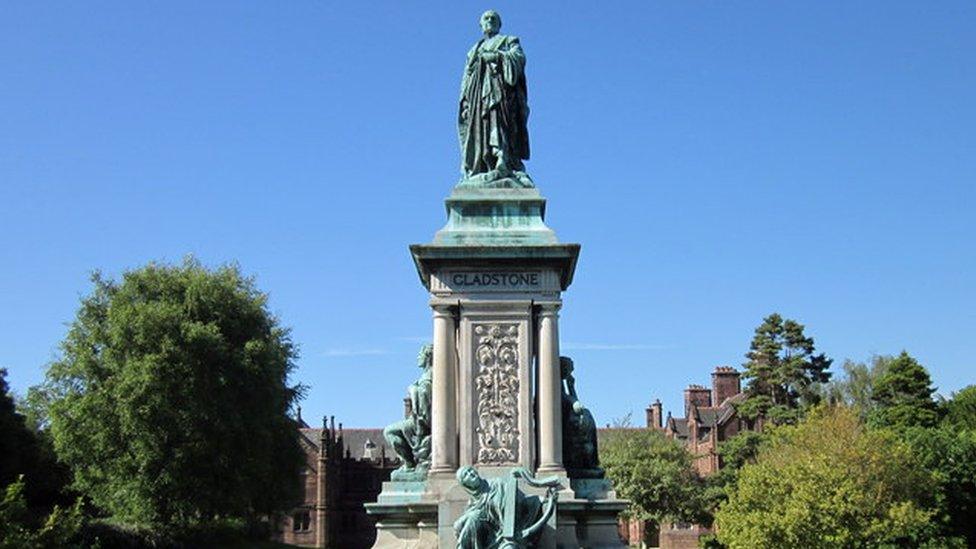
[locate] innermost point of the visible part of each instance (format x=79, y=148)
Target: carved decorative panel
x=497, y=392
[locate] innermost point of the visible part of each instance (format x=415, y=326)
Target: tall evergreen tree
x=783, y=371
x=903, y=395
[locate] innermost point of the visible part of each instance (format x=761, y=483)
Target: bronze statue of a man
x=410, y=437
x=493, y=109
x=580, y=453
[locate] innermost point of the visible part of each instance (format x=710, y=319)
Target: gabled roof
x=707, y=417
x=679, y=426
x=354, y=440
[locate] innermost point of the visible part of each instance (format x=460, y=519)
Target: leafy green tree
x=856, y=387
x=17, y=530
x=903, y=395
x=950, y=454
x=18, y=447
x=655, y=473
x=34, y=408
x=27, y=452
x=734, y=453
x=830, y=482
x=783, y=371
x=960, y=410
x=171, y=399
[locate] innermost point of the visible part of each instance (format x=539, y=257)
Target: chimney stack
x=654, y=415
x=725, y=384
x=698, y=396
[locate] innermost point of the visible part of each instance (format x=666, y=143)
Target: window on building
x=301, y=521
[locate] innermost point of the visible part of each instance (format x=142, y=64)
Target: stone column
x=550, y=391
x=443, y=406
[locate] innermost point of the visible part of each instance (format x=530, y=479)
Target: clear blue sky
x=717, y=161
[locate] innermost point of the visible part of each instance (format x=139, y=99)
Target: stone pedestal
x=495, y=274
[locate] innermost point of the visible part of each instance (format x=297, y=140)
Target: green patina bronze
x=493, y=111
x=579, y=429
x=500, y=515
x=410, y=437
x=495, y=217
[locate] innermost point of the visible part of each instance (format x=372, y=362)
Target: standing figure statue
x=580, y=455
x=493, y=111
x=499, y=515
x=410, y=437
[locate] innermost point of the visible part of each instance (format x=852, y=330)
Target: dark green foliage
x=18, y=447
x=229, y=533
x=960, y=410
x=903, y=396
x=27, y=452
x=950, y=455
x=740, y=449
x=734, y=453
x=655, y=473
x=783, y=371
x=31, y=485
x=171, y=399
x=22, y=528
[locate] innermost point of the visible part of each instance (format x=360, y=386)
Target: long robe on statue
x=494, y=108
x=480, y=524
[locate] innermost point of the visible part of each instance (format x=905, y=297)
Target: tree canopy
x=902, y=395
x=950, y=455
x=960, y=410
x=856, y=387
x=783, y=371
x=171, y=398
x=655, y=473
x=18, y=447
x=829, y=482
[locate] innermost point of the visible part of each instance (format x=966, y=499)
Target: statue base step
x=421, y=515
x=480, y=216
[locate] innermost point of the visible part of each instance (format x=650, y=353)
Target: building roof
x=355, y=440
x=679, y=425
x=707, y=417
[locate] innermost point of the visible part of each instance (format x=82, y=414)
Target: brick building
x=344, y=469
x=709, y=419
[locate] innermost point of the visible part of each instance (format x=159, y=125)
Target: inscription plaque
x=494, y=280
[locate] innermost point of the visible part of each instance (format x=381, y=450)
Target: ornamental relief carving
x=497, y=392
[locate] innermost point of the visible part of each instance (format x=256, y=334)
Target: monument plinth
x=479, y=216
x=500, y=416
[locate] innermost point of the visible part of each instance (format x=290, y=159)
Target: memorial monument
x=503, y=404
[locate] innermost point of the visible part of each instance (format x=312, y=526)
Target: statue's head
x=491, y=22
x=469, y=478
x=565, y=366
x=425, y=356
